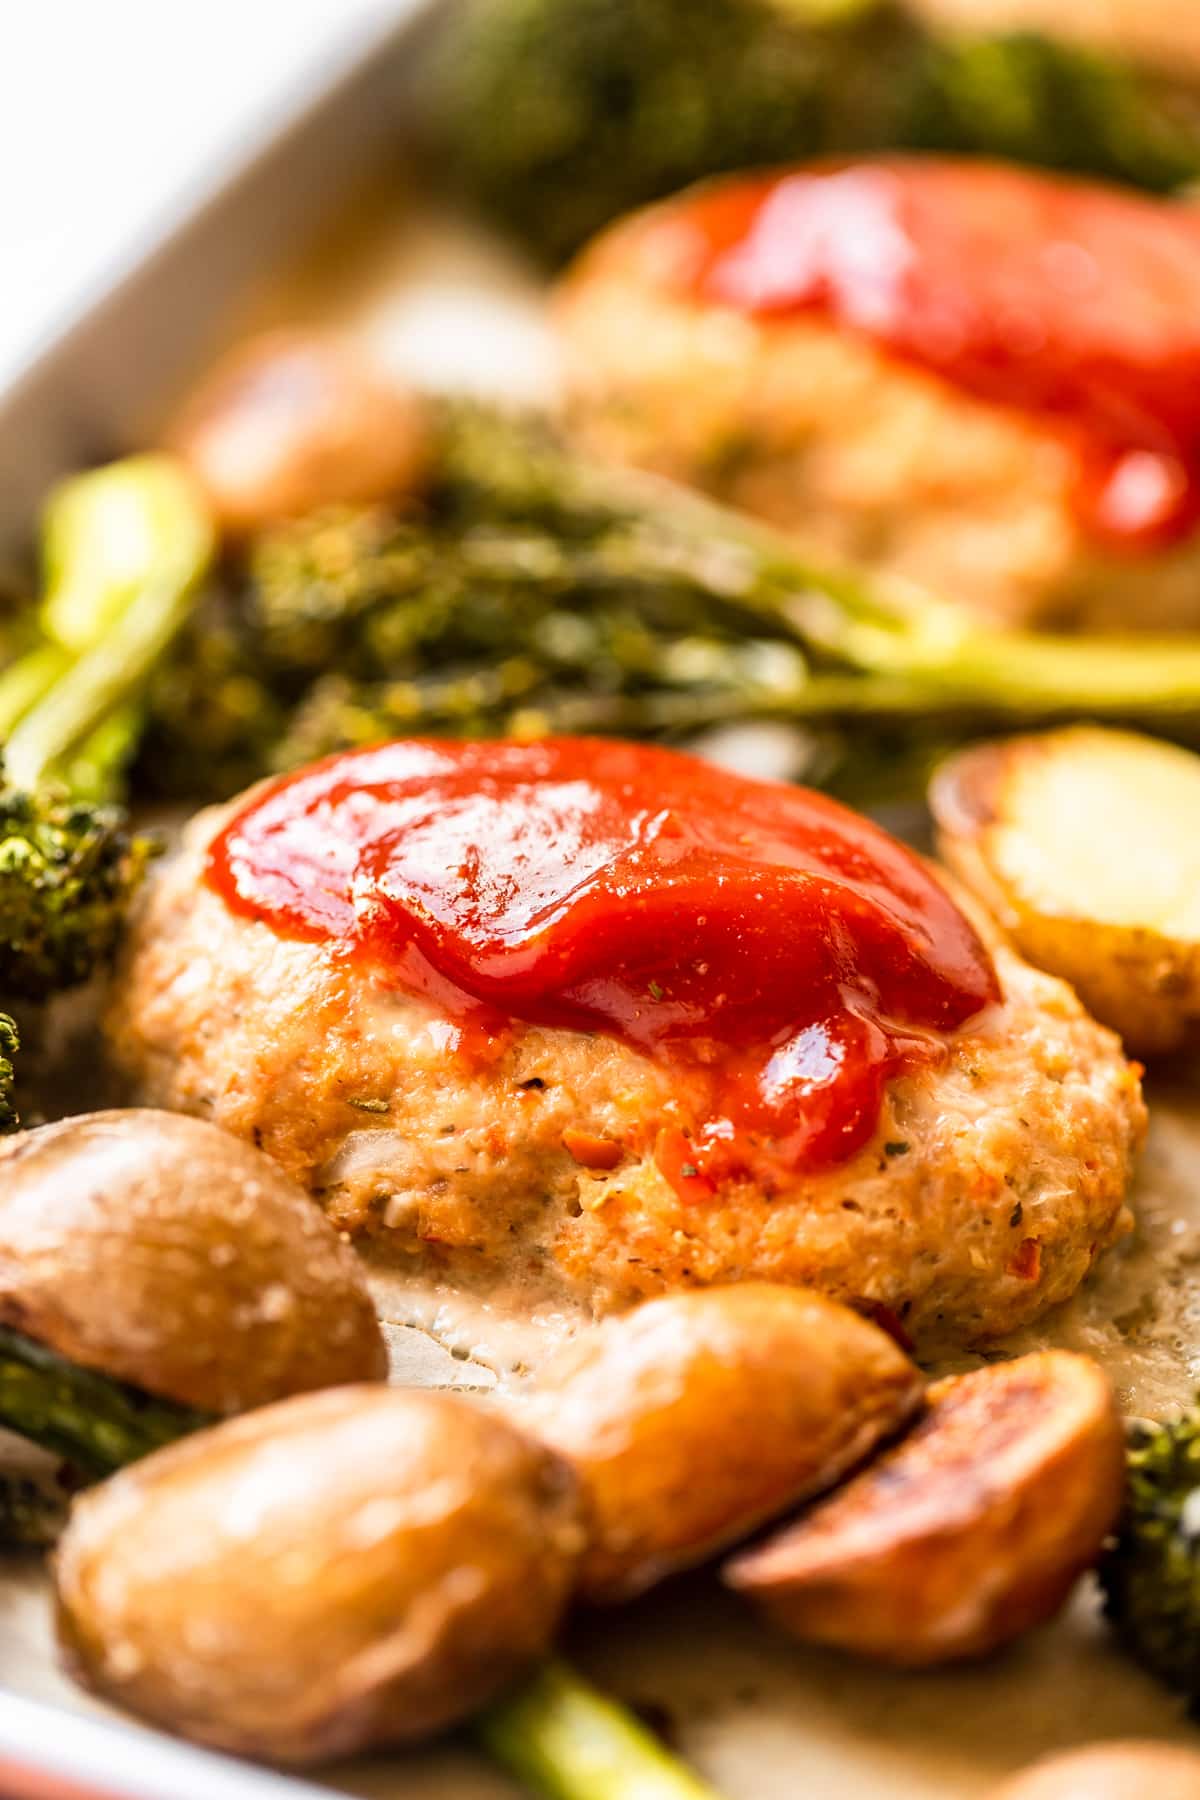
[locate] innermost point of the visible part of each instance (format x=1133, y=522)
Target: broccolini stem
x=27, y=680
x=95, y=1423
x=126, y=547
x=565, y=1741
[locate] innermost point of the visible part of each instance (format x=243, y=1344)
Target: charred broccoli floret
x=564, y=114
x=10, y=1043
x=67, y=871
x=1151, y=1575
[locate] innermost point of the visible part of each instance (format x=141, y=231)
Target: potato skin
x=161, y=1251
x=346, y=1569
x=973, y=1529
x=696, y=1417
x=293, y=421
x=1118, y=1771
x=1141, y=982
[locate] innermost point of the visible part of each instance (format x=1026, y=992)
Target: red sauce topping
x=1063, y=298
x=783, y=955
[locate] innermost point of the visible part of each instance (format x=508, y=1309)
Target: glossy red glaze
x=1063, y=298
x=784, y=955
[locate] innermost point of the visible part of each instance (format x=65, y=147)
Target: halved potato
x=1120, y=1771
x=972, y=1530
x=695, y=1418
x=297, y=420
x=358, y=1567
x=1085, y=845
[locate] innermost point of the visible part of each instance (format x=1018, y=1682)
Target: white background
x=114, y=112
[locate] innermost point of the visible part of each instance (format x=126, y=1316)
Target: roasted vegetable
x=295, y=421
x=1151, y=1574
x=1084, y=845
x=10, y=1043
x=974, y=1528
x=561, y=1739
x=347, y=1569
x=67, y=872
x=353, y=1568
x=1112, y=1771
x=1027, y=97
x=155, y=1271
x=694, y=1418
x=538, y=592
x=562, y=114
x=97, y=1424
x=123, y=550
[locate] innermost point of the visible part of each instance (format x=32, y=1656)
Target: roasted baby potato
x=164, y=1253
x=694, y=1418
x=1119, y=1771
x=970, y=1531
x=294, y=421
x=1085, y=845
x=346, y=1569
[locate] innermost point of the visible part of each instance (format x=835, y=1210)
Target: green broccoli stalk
x=96, y=1423
x=538, y=592
x=123, y=550
x=559, y=115
x=562, y=1739
x=1151, y=1573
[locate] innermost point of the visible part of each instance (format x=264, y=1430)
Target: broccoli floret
x=67, y=871
x=10, y=1043
x=1151, y=1575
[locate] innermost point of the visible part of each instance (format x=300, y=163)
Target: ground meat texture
x=990, y=1187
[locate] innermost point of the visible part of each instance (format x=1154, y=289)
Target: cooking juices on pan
x=790, y=956
x=1057, y=297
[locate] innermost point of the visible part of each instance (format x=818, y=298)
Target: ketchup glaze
x=1063, y=298
x=782, y=955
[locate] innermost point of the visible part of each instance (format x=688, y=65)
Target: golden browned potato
x=293, y=421
x=972, y=1530
x=161, y=1251
x=696, y=1417
x=345, y=1569
x=1085, y=844
x=1118, y=1771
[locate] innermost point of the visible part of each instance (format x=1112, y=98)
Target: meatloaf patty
x=878, y=459
x=991, y=1185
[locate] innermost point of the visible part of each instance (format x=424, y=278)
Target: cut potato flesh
x=1085, y=845
x=1115, y=1771
x=973, y=1529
